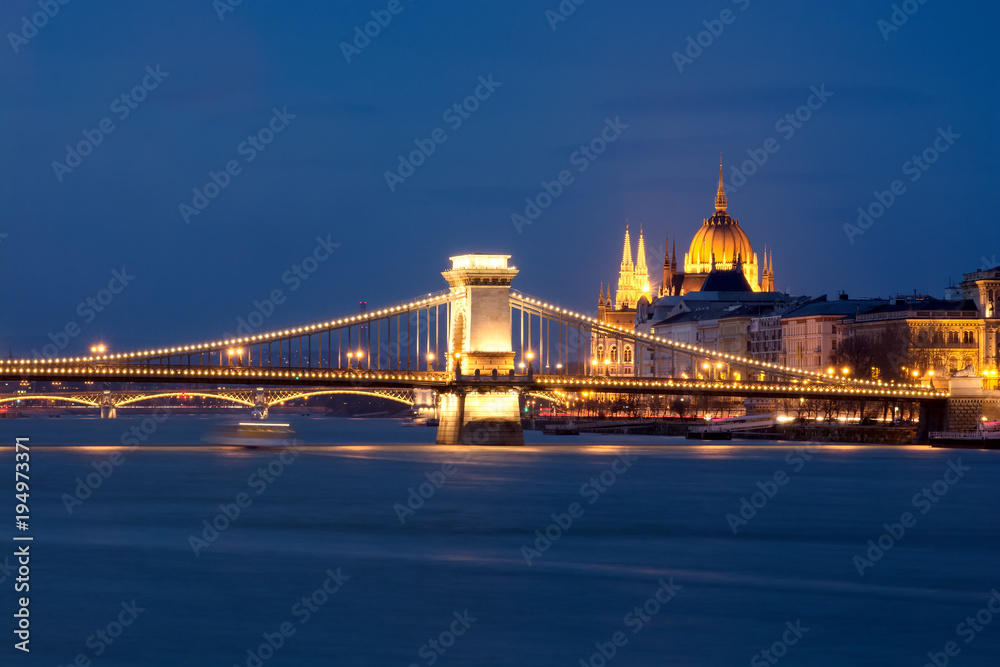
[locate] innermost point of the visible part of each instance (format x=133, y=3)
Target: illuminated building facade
x=612, y=356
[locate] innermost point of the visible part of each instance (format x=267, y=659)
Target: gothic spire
x=720, y=196
x=627, y=250
x=641, y=269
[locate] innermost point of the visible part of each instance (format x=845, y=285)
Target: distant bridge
x=478, y=345
x=247, y=397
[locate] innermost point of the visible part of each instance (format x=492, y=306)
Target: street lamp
x=350, y=365
x=97, y=349
x=430, y=360
x=845, y=370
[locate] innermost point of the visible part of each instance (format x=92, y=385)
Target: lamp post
x=430, y=361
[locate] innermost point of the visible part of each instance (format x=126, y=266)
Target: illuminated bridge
x=478, y=345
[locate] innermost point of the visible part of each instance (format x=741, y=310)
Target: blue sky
x=323, y=175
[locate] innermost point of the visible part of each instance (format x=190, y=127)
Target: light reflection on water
x=663, y=517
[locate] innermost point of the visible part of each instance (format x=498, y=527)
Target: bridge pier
x=108, y=408
x=469, y=417
x=933, y=417
x=480, y=341
x=260, y=405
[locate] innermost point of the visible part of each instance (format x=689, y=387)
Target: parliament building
x=720, y=249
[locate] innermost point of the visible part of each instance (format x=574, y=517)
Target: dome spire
x=720, y=196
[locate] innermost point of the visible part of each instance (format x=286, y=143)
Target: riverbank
x=818, y=432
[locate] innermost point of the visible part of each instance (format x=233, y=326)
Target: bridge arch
x=43, y=397
x=404, y=397
x=147, y=397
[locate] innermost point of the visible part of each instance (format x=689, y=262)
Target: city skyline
x=319, y=187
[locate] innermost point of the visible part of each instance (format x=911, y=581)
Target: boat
x=561, y=429
x=421, y=420
x=987, y=436
x=252, y=434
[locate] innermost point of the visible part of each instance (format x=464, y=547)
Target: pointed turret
x=668, y=275
x=641, y=281
x=626, y=295
x=720, y=196
x=767, y=284
x=673, y=262
x=640, y=256
x=601, y=306
x=627, y=252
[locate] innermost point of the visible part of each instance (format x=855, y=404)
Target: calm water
x=664, y=516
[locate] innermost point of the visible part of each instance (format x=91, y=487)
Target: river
x=367, y=544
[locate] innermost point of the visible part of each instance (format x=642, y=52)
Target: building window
x=628, y=354
x=600, y=353
x=614, y=354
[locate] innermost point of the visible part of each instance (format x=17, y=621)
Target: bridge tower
x=478, y=411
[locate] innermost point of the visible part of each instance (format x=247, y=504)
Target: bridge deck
x=233, y=376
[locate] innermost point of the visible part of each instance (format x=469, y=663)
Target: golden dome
x=721, y=236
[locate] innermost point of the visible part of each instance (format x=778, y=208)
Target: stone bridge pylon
x=471, y=412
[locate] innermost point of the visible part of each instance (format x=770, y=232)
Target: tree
x=876, y=355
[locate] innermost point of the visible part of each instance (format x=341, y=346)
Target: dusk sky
x=887, y=95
